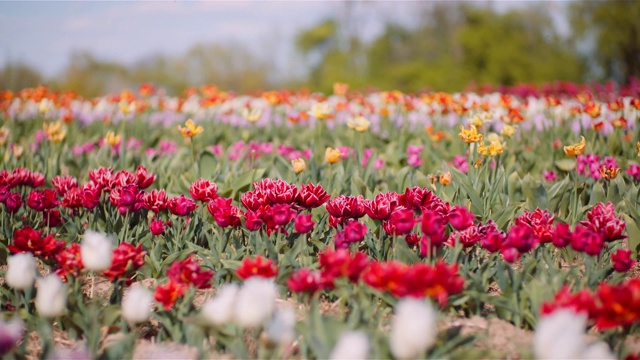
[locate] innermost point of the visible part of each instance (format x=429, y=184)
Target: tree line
x=452, y=46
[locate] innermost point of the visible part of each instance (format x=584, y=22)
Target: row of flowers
x=360, y=112
x=273, y=204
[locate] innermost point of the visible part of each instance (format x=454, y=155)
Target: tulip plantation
x=290, y=224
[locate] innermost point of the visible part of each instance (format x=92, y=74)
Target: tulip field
x=298, y=225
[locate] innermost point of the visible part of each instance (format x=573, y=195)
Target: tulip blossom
x=126, y=260
x=257, y=267
x=69, y=261
x=96, y=251
x=311, y=196
x=351, y=345
x=136, y=305
x=305, y=280
x=280, y=329
x=188, y=272
x=255, y=302
x=203, y=190
x=156, y=227
x=622, y=261
x=181, y=206
x=30, y=240
x=303, y=224
x=168, y=293
x=21, y=271
x=218, y=310
x=576, y=149
x=413, y=329
x=51, y=299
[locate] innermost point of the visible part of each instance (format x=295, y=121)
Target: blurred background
x=95, y=48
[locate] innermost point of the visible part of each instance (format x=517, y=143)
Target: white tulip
x=219, y=310
x=280, y=329
x=598, y=351
x=136, y=305
x=51, y=299
x=255, y=302
x=413, y=329
x=95, y=251
x=561, y=335
x=21, y=271
x=351, y=345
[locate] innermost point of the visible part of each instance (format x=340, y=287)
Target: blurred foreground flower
x=96, y=251
x=561, y=335
x=218, y=310
x=351, y=345
x=21, y=271
x=190, y=129
x=280, y=329
x=255, y=302
x=413, y=329
x=10, y=333
x=576, y=149
x=136, y=306
x=51, y=299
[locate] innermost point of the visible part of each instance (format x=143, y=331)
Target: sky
x=42, y=34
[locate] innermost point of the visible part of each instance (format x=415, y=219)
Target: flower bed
x=300, y=225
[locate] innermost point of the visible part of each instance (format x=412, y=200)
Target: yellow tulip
x=4, y=135
x=298, y=165
x=253, y=115
x=190, y=129
x=576, y=149
x=332, y=155
x=320, y=111
x=508, y=130
x=55, y=132
x=359, y=123
x=445, y=178
x=112, y=139
x=471, y=135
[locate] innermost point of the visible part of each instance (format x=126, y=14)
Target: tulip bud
x=136, y=306
x=255, y=302
x=413, y=329
x=351, y=345
x=96, y=251
x=21, y=271
x=51, y=299
x=219, y=310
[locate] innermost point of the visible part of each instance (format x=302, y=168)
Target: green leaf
x=633, y=229
x=566, y=165
x=207, y=163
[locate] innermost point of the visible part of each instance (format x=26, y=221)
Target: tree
x=17, y=76
x=610, y=31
